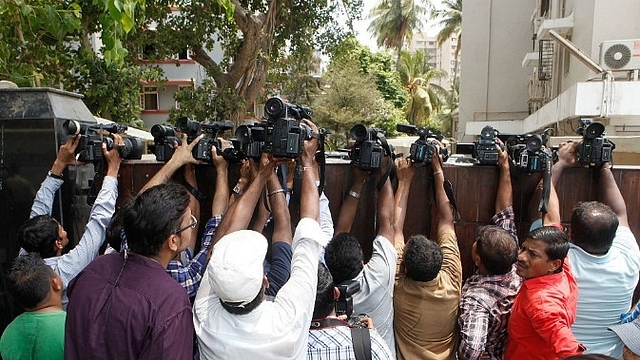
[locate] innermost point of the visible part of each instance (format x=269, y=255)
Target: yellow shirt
x=426, y=312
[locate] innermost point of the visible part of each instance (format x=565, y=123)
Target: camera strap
x=543, y=206
x=360, y=337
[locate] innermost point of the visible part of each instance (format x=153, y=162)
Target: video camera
x=367, y=151
x=423, y=149
x=484, y=149
x=344, y=303
x=164, y=136
x=595, y=149
x=284, y=133
x=193, y=129
x=529, y=152
x=250, y=138
x=89, y=148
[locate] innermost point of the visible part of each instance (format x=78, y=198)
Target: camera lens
x=243, y=134
x=488, y=132
x=162, y=131
x=275, y=107
x=359, y=133
x=534, y=143
x=191, y=128
x=594, y=130
x=71, y=127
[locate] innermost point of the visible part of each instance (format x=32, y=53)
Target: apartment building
x=519, y=78
x=441, y=57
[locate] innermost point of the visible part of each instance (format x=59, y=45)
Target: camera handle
x=543, y=206
x=391, y=167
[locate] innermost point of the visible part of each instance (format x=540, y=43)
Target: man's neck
x=47, y=307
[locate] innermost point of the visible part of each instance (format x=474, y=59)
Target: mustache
x=521, y=264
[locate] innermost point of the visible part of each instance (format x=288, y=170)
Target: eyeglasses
x=193, y=224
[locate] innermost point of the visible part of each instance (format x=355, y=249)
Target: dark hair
x=38, y=235
x=556, y=240
x=152, y=216
x=243, y=310
x=496, y=248
x=29, y=280
x=593, y=226
x=590, y=357
x=343, y=256
x=422, y=258
x=325, y=302
x=113, y=235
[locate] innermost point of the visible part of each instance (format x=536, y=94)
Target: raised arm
x=386, y=210
x=194, y=204
x=350, y=203
x=405, y=172
x=280, y=211
x=181, y=156
x=504, y=196
x=220, y=201
x=611, y=194
x=443, y=206
x=309, y=198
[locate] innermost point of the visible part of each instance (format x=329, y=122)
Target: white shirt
x=375, y=297
x=274, y=330
x=605, y=290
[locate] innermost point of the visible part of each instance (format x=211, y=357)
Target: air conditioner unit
x=620, y=54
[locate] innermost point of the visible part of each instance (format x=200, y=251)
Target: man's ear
x=56, y=283
x=57, y=245
x=336, y=293
x=173, y=242
x=555, y=265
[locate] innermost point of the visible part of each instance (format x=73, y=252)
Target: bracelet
x=55, y=176
x=277, y=192
x=437, y=172
x=354, y=194
x=305, y=168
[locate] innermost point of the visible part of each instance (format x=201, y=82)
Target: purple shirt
x=127, y=309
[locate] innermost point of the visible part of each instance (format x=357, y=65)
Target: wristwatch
x=237, y=190
x=55, y=176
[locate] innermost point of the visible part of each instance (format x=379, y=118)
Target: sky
x=361, y=26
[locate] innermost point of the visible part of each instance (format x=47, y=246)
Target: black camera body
x=484, y=149
x=193, y=129
x=284, y=133
x=164, y=137
x=426, y=146
x=367, y=151
x=89, y=148
x=344, y=303
x=250, y=138
x=595, y=149
x=529, y=153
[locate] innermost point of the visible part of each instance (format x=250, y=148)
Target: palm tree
x=394, y=22
x=451, y=22
x=427, y=97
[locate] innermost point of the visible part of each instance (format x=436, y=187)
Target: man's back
x=34, y=335
x=605, y=290
x=426, y=312
x=375, y=297
x=127, y=309
x=336, y=343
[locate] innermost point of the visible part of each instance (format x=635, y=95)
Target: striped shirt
x=335, y=343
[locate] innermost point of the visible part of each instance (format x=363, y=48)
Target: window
x=184, y=54
x=544, y=8
x=150, y=98
x=432, y=43
x=566, y=59
x=453, y=47
x=454, y=39
x=149, y=51
x=453, y=63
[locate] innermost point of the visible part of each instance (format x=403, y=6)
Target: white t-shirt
x=605, y=291
x=375, y=297
x=274, y=330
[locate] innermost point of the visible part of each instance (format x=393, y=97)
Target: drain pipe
x=607, y=76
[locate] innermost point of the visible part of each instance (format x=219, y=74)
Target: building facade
x=441, y=57
x=519, y=78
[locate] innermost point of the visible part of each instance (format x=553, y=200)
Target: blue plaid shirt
x=190, y=275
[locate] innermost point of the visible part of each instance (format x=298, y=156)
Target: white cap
x=235, y=268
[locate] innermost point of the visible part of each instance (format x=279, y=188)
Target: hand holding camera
x=113, y=155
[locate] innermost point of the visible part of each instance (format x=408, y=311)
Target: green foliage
x=206, y=103
x=352, y=98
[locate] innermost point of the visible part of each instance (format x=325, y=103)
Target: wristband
x=277, y=192
x=354, y=194
x=55, y=176
x=437, y=172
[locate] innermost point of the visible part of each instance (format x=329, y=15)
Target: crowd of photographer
x=261, y=286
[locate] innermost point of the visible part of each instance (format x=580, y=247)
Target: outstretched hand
x=567, y=154
x=183, y=152
x=310, y=146
x=405, y=169
x=113, y=156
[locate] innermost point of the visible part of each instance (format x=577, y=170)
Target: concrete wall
x=496, y=36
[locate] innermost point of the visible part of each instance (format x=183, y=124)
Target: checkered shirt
x=335, y=344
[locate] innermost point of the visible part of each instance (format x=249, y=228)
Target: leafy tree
x=426, y=96
x=352, y=98
x=46, y=43
x=380, y=65
x=394, y=22
x=446, y=119
x=451, y=23
x=252, y=34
